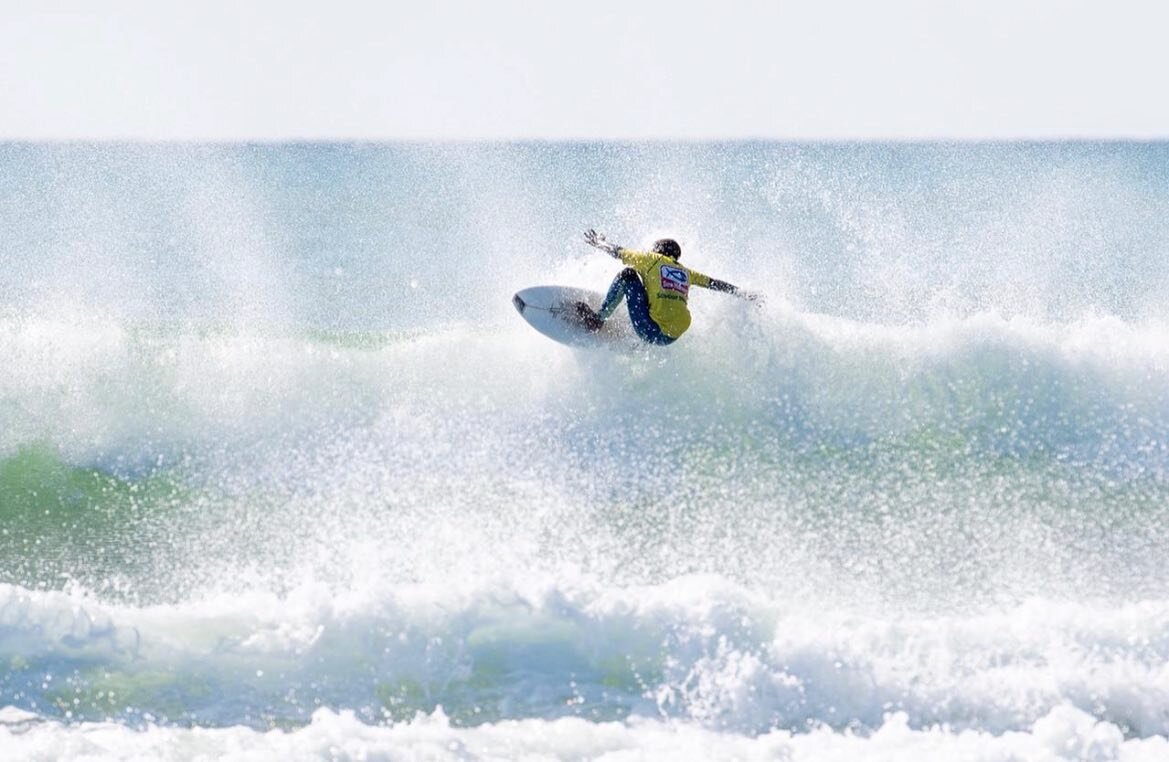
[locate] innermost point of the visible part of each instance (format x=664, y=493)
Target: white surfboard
x=551, y=310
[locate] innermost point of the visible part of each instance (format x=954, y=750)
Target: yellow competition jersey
x=667, y=284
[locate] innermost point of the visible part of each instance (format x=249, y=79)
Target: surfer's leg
x=626, y=280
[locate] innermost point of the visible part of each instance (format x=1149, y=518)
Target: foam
x=1063, y=734
x=700, y=650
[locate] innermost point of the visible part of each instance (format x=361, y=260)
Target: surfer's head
x=668, y=247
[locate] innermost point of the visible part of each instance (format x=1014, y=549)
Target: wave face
x=280, y=469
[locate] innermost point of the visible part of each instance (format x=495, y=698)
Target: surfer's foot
x=589, y=319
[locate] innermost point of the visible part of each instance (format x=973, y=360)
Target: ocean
x=283, y=475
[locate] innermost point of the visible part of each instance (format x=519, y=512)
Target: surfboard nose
x=519, y=303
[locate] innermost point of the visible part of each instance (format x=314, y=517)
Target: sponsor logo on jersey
x=675, y=279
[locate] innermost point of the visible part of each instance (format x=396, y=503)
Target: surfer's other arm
x=597, y=241
x=730, y=288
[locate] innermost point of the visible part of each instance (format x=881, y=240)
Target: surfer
x=656, y=288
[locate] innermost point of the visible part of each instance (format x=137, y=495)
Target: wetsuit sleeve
x=714, y=284
x=700, y=280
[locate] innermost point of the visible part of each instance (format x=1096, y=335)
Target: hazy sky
x=597, y=69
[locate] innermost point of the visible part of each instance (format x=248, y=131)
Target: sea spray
x=276, y=453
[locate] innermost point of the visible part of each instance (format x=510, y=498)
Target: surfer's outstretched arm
x=730, y=288
x=597, y=241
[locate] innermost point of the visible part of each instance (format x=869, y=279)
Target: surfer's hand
x=597, y=241
x=752, y=296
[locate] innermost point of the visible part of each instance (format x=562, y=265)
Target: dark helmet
x=668, y=247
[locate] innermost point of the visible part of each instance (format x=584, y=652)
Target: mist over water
x=277, y=453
